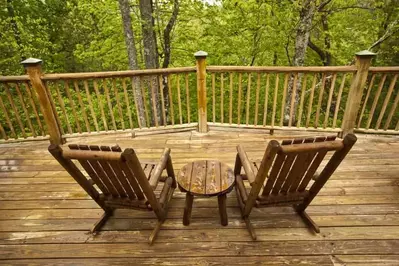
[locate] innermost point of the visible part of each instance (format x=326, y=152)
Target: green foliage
x=87, y=35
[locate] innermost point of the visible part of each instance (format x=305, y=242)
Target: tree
x=132, y=56
x=150, y=54
x=306, y=14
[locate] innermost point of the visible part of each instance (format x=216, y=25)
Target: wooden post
x=34, y=70
x=200, y=57
x=363, y=61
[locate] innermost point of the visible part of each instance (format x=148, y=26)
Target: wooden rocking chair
x=118, y=180
x=283, y=175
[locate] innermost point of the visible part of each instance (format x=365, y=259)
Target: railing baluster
x=33, y=105
x=387, y=97
x=239, y=98
x=283, y=99
x=338, y=103
x=62, y=105
x=21, y=99
x=188, y=100
x=391, y=113
x=72, y=104
x=100, y=104
x=257, y=99
x=93, y=114
x=213, y=98
x=161, y=88
x=7, y=118
x=3, y=132
x=110, y=108
x=17, y=116
x=330, y=94
x=134, y=83
x=52, y=102
x=275, y=100
x=231, y=99
x=310, y=104
x=248, y=99
x=172, y=115
x=321, y=92
x=154, y=107
x=118, y=104
x=179, y=98
x=266, y=100
x=376, y=97
x=129, y=112
x=82, y=106
x=303, y=89
x=365, y=100
x=221, y=98
x=143, y=92
x=293, y=95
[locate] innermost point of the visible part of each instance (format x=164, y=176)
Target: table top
x=209, y=178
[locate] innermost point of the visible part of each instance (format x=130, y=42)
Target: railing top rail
x=14, y=78
x=281, y=69
x=389, y=69
x=114, y=74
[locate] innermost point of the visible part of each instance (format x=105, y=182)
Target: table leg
x=222, y=209
x=187, y=208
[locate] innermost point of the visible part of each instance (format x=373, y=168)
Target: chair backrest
x=295, y=162
x=118, y=175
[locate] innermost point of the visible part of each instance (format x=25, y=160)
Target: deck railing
x=341, y=99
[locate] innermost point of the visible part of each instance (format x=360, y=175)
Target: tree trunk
x=167, y=51
x=301, y=43
x=15, y=29
x=132, y=56
x=150, y=54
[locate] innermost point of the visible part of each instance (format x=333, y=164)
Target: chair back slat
x=286, y=169
x=302, y=164
x=111, y=174
x=113, y=177
x=98, y=168
x=289, y=159
x=133, y=167
x=275, y=170
x=132, y=180
x=293, y=170
x=299, y=166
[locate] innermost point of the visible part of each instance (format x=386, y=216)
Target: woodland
x=110, y=35
x=101, y=35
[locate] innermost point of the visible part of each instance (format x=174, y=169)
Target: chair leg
x=222, y=210
x=250, y=228
x=100, y=223
x=306, y=218
x=187, y=208
x=155, y=232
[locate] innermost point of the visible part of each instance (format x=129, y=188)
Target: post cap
x=365, y=53
x=31, y=62
x=201, y=54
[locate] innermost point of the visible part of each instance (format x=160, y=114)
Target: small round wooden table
x=206, y=179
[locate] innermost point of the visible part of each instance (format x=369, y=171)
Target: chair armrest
x=154, y=179
x=246, y=164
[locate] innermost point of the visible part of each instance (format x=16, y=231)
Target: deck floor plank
x=45, y=216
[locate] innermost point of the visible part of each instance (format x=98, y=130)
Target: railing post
x=200, y=57
x=363, y=61
x=34, y=70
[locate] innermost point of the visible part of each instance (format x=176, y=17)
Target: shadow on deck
x=45, y=216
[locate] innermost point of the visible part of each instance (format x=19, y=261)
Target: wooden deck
x=45, y=216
